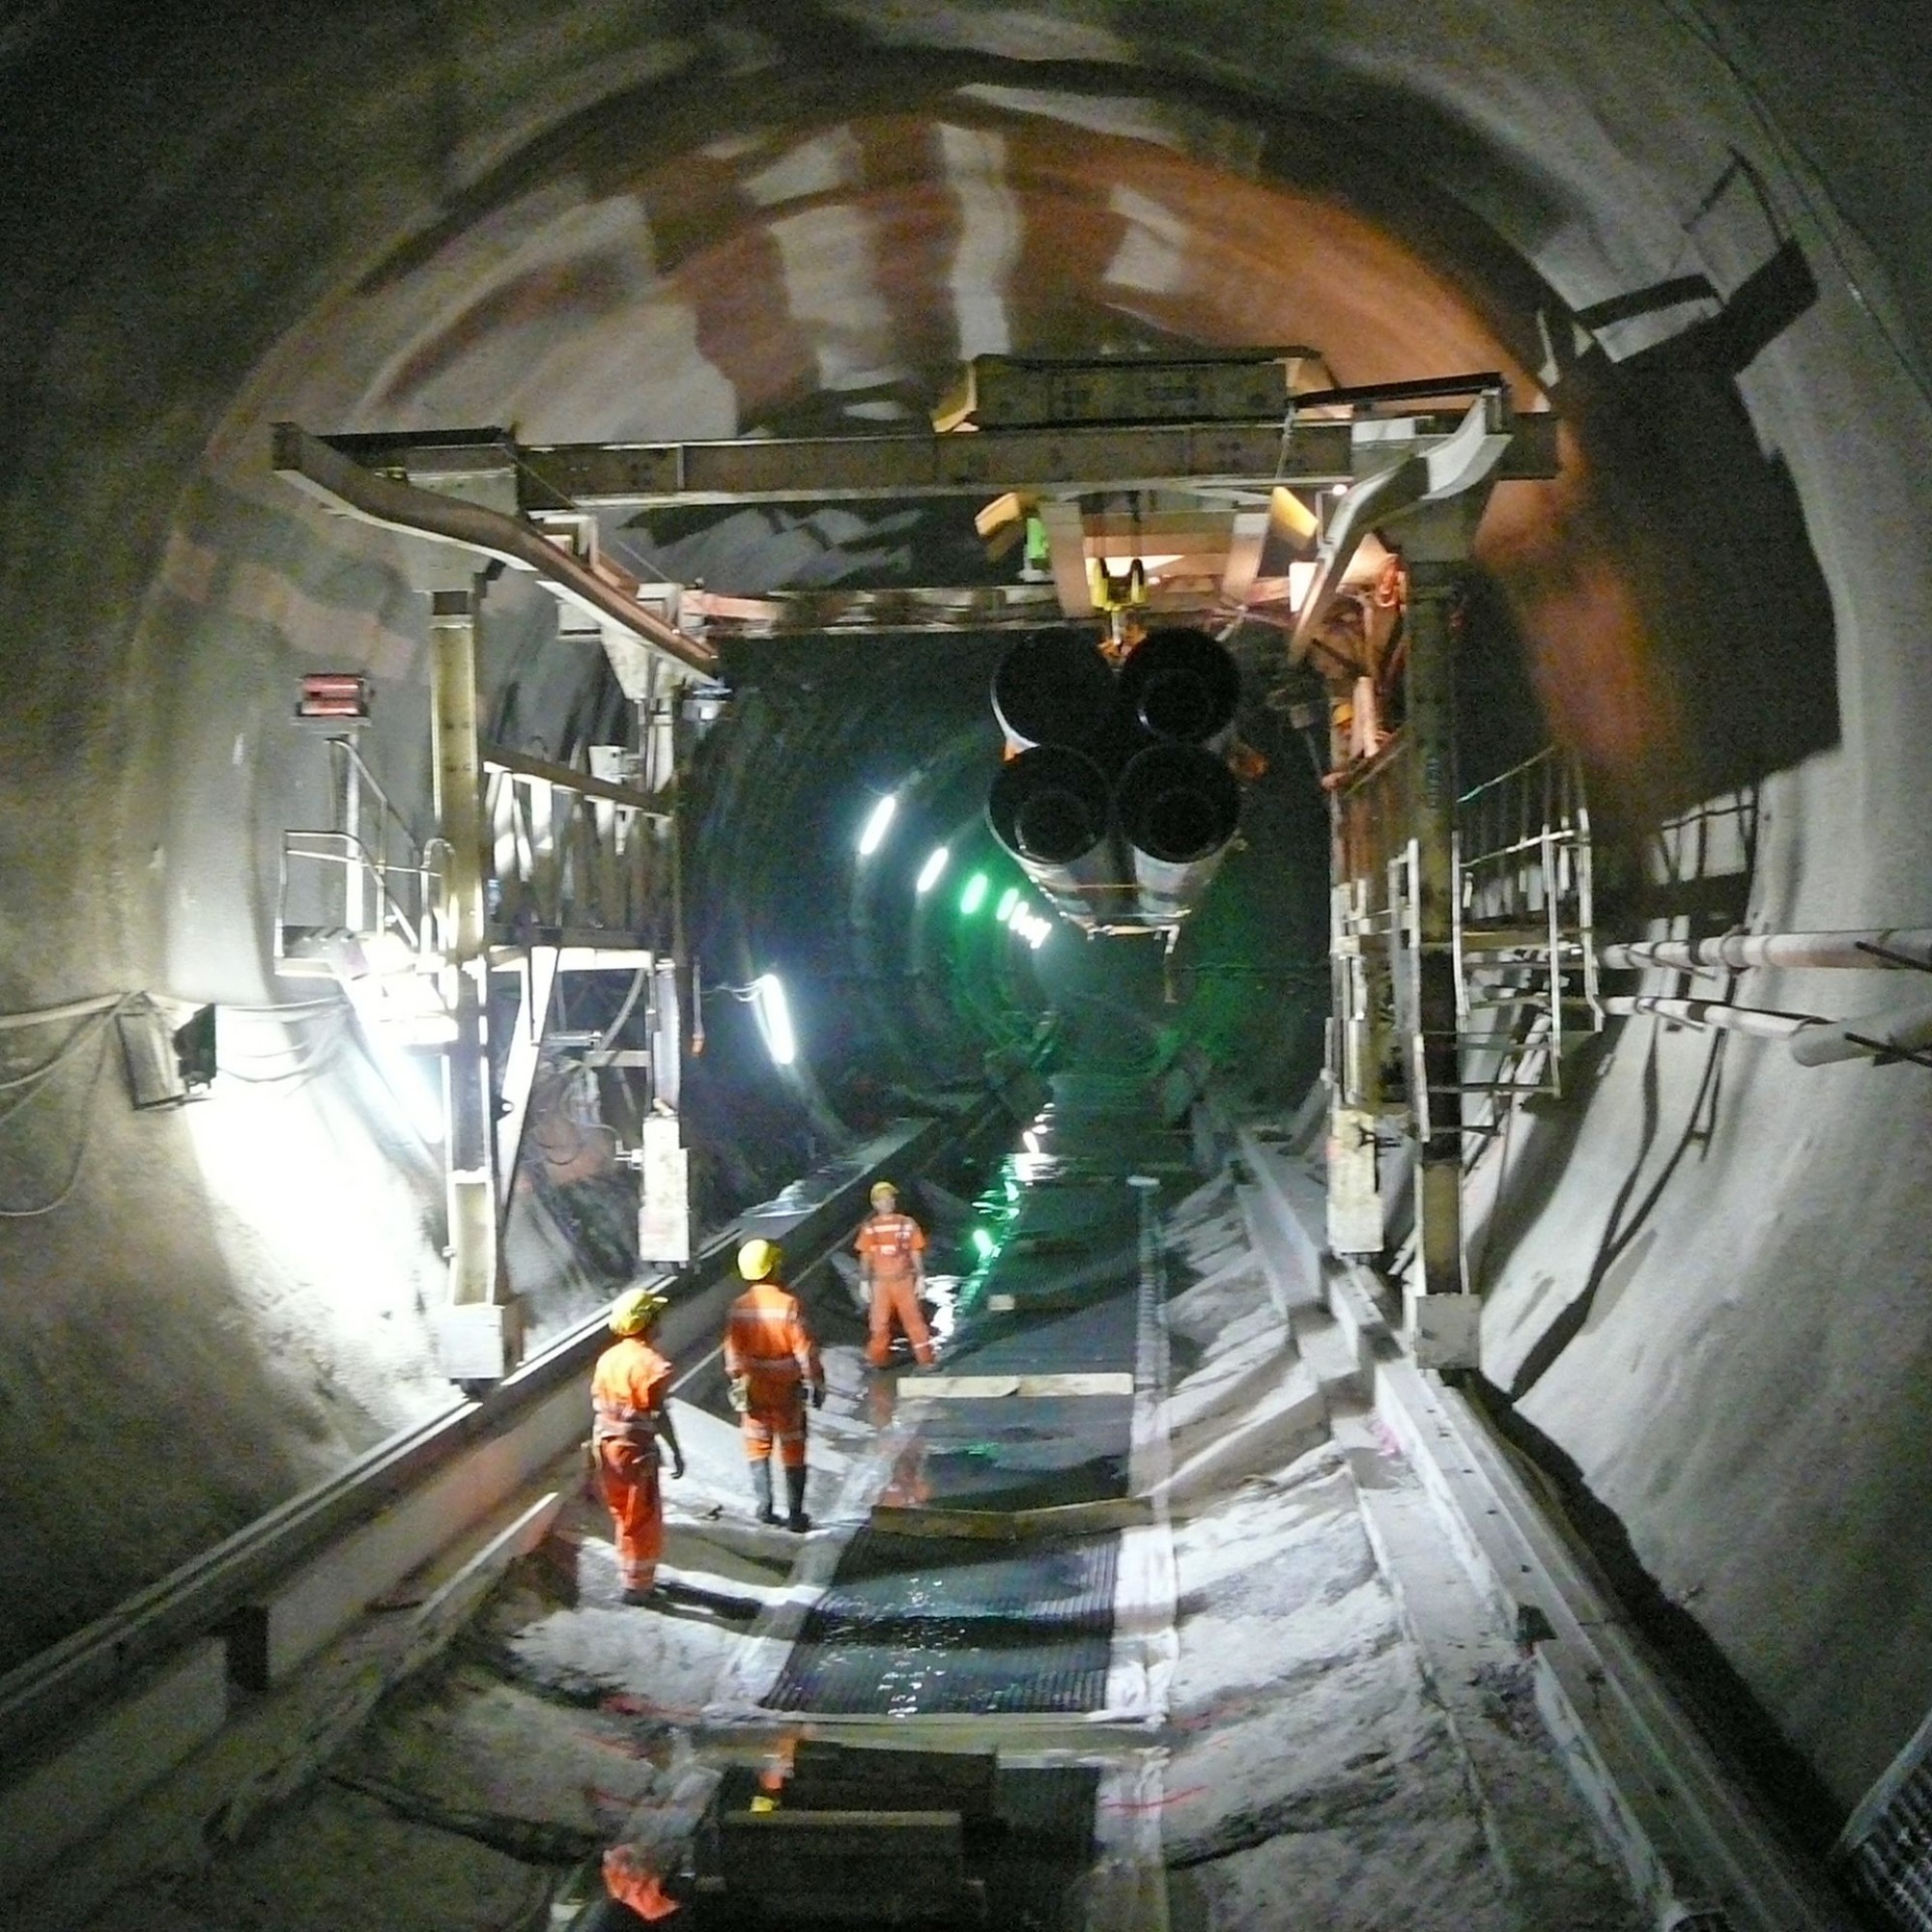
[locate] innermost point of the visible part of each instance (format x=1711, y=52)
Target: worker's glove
x=677, y=1461
x=817, y=1395
x=739, y=1389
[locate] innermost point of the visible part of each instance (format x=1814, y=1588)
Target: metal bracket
x=1884, y=1055
x=1891, y=958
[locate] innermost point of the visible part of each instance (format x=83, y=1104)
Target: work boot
x=797, y=1519
x=761, y=1491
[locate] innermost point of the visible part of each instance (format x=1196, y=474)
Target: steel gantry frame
x=1417, y=457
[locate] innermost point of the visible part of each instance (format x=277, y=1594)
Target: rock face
x=1706, y=1270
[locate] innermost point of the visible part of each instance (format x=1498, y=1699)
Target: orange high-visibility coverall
x=631, y=1879
x=627, y=1394
x=767, y=1342
x=892, y=1244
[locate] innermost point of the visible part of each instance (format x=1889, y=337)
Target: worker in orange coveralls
x=634, y=1881
x=628, y=1388
x=772, y=1362
x=891, y=1262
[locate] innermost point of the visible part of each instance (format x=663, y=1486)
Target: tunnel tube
x=1053, y=810
x=1180, y=685
x=1055, y=688
x=1179, y=808
x=367, y=226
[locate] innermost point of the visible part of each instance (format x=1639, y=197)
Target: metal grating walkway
x=927, y=1625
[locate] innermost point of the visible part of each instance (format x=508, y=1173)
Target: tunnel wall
x=250, y=212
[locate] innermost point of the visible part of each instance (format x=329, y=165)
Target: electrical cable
x=616, y=1026
x=72, y=1180
x=35, y=1079
x=73, y=1010
x=310, y=1056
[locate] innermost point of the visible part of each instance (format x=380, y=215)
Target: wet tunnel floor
x=926, y=1626
x=951, y=1624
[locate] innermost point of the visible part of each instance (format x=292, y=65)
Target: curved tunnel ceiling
x=724, y=226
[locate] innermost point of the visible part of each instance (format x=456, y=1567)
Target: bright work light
x=877, y=825
x=928, y=873
x=1010, y=903
x=768, y=1002
x=985, y=1242
x=975, y=895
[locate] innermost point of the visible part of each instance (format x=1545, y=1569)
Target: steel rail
x=199, y=1597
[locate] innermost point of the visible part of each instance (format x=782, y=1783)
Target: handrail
x=423, y=874
x=347, y=746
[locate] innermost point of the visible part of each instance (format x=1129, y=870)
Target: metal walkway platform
x=932, y=1626
x=952, y=1623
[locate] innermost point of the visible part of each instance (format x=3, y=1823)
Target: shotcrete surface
x=258, y=213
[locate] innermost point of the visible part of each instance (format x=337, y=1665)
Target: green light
x=985, y=1242
x=975, y=895
x=1008, y=902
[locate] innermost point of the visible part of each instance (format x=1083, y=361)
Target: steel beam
x=350, y=475
x=1307, y=452
x=567, y=778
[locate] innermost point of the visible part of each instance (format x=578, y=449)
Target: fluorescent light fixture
x=877, y=825
x=1010, y=903
x=768, y=998
x=929, y=873
x=975, y=895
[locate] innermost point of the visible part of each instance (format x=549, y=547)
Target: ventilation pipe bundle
x=1116, y=798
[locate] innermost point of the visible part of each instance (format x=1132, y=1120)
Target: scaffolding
x=1527, y=985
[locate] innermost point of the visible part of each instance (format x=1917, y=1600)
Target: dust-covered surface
x=1317, y=1780
x=1321, y=1773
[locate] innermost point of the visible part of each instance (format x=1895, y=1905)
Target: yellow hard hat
x=635, y=1310
x=880, y=1187
x=759, y=1260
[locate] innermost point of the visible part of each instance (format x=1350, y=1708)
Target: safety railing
x=366, y=874
x=1525, y=926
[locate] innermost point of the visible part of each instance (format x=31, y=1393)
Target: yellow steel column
x=473, y=1336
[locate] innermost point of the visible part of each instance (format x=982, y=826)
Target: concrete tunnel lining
x=224, y=234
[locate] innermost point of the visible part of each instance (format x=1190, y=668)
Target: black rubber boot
x=761, y=1491
x=797, y=1519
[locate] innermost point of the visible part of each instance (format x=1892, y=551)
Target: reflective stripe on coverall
x=892, y=1244
x=627, y=1392
x=766, y=1341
